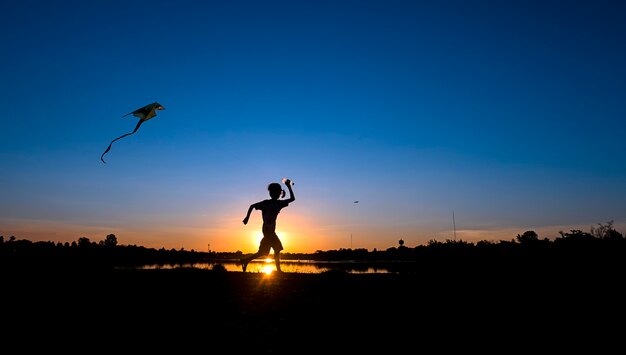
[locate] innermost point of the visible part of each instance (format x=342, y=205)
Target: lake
x=295, y=266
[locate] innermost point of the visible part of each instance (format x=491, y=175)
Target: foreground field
x=190, y=310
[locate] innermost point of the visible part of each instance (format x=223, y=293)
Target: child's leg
x=246, y=259
x=277, y=260
x=264, y=250
x=244, y=263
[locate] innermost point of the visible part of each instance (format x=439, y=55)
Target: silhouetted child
x=269, y=209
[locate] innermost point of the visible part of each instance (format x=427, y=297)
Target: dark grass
x=184, y=310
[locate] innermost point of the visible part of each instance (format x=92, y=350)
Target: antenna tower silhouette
x=454, y=225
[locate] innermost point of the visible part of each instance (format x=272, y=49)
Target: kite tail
x=127, y=134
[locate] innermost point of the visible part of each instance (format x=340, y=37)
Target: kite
x=145, y=113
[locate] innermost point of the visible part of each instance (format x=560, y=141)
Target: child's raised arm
x=292, y=197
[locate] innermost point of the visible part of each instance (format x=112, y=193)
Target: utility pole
x=351, y=233
x=454, y=225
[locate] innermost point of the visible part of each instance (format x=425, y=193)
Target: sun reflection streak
x=267, y=269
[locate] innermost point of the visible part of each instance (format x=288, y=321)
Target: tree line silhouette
x=84, y=253
x=601, y=245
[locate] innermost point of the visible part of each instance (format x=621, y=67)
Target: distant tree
x=110, y=240
x=577, y=235
x=401, y=242
x=485, y=243
x=606, y=231
x=527, y=237
x=433, y=242
x=84, y=242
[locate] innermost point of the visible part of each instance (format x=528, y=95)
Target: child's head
x=275, y=190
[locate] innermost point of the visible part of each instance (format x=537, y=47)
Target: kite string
x=127, y=134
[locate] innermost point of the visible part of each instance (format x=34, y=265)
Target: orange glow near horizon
x=299, y=234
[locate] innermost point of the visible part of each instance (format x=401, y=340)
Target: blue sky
x=510, y=114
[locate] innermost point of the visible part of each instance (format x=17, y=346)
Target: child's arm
x=252, y=206
x=292, y=197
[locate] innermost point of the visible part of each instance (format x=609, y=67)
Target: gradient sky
x=510, y=113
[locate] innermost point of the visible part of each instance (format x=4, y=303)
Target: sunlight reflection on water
x=267, y=266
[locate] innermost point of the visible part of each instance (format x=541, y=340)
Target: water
x=267, y=266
